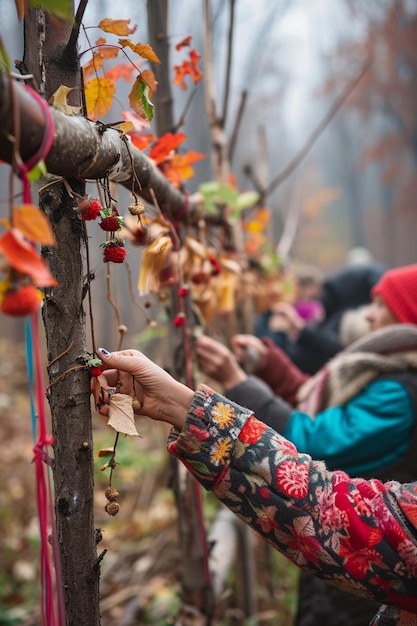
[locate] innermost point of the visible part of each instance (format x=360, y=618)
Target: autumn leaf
x=121, y=415
x=59, y=101
x=106, y=452
x=149, y=77
x=144, y=50
x=166, y=145
x=139, y=99
x=21, y=8
x=93, y=65
x=99, y=94
x=122, y=70
x=23, y=257
x=33, y=224
x=123, y=127
x=142, y=141
x=188, y=68
x=183, y=43
x=178, y=169
x=117, y=27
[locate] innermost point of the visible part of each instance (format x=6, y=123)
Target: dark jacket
x=318, y=343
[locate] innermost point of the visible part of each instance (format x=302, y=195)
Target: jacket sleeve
x=280, y=373
x=257, y=396
x=346, y=531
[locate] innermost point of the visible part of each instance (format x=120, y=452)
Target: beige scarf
x=385, y=351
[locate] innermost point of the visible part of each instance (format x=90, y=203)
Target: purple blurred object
x=309, y=310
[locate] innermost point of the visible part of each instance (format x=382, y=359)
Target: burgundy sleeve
x=280, y=373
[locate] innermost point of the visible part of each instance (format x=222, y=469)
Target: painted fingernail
x=104, y=351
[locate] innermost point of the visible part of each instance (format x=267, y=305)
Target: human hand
x=285, y=318
x=217, y=361
x=161, y=396
x=250, y=351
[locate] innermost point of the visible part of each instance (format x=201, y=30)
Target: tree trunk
x=197, y=604
x=47, y=58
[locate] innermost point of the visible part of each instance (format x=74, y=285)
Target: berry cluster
x=111, y=222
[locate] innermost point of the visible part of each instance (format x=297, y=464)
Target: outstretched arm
x=350, y=532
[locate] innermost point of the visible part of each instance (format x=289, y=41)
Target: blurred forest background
x=329, y=132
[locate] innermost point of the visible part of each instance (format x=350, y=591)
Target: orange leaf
x=123, y=70
x=33, y=224
x=144, y=50
x=21, y=8
x=143, y=140
x=183, y=43
x=166, y=145
x=99, y=94
x=178, y=168
x=93, y=65
x=117, y=27
x=23, y=257
x=188, y=68
x=108, y=52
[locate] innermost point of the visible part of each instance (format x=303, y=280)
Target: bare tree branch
x=336, y=106
x=83, y=149
x=229, y=62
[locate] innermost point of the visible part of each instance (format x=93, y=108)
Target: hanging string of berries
x=111, y=222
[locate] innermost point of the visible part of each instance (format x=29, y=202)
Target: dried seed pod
x=137, y=208
x=136, y=404
x=112, y=508
x=111, y=494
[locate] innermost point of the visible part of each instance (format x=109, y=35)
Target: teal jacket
x=371, y=432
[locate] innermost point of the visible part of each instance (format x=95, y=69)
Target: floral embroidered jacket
x=360, y=535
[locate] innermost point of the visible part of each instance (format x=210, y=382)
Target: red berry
x=90, y=210
x=95, y=371
x=114, y=253
x=182, y=292
x=179, y=320
x=110, y=224
x=21, y=301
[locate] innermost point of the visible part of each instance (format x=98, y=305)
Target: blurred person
x=355, y=533
x=357, y=414
x=310, y=344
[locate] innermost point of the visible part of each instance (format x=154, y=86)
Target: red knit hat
x=398, y=289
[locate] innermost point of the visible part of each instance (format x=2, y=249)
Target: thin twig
x=236, y=125
x=226, y=93
x=73, y=40
x=336, y=106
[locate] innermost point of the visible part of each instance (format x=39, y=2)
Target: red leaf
x=23, y=257
x=183, y=43
x=167, y=144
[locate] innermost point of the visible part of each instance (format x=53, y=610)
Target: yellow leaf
x=117, y=27
x=154, y=259
x=124, y=127
x=59, y=101
x=99, y=94
x=33, y=224
x=144, y=50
